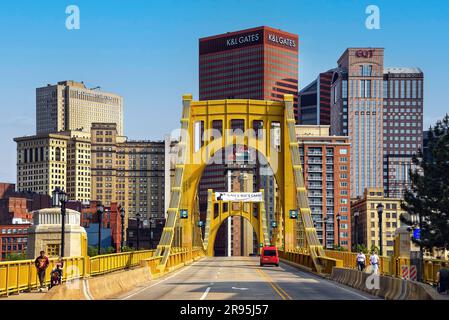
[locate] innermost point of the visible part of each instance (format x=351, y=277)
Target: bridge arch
x=232, y=119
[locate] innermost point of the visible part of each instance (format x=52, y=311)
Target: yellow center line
x=284, y=295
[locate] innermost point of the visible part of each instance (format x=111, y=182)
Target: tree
x=15, y=256
x=427, y=199
x=360, y=248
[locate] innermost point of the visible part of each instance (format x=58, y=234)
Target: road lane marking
x=277, y=285
x=154, y=284
x=236, y=288
x=319, y=279
x=271, y=284
x=205, y=294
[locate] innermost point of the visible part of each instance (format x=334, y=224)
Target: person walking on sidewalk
x=41, y=264
x=361, y=261
x=374, y=261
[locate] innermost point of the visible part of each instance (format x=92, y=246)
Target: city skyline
x=144, y=74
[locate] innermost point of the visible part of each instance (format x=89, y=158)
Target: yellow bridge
x=248, y=123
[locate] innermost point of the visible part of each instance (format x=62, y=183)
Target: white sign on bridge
x=239, y=196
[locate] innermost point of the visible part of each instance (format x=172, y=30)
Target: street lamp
x=122, y=216
x=380, y=210
x=338, y=229
x=59, y=198
x=100, y=210
x=138, y=226
x=356, y=219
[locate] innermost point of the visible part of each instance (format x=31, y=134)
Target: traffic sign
x=417, y=234
x=183, y=213
x=413, y=273
x=293, y=214
x=405, y=272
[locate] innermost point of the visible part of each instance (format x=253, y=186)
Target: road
x=241, y=278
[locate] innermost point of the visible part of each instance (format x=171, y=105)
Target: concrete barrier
x=101, y=287
x=116, y=283
x=67, y=291
x=389, y=287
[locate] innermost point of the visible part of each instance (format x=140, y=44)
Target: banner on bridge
x=239, y=196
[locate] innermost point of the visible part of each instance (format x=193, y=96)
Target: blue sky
x=147, y=51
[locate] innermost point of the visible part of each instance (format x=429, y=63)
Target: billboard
x=239, y=196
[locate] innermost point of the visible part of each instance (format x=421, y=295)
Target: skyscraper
x=357, y=111
x=55, y=160
x=257, y=63
x=315, y=100
x=70, y=105
x=381, y=110
x=128, y=172
x=403, y=125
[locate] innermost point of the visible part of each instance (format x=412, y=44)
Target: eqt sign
x=364, y=53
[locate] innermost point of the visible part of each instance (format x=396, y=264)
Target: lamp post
x=138, y=226
x=122, y=216
x=59, y=198
x=380, y=210
x=338, y=229
x=356, y=230
x=100, y=210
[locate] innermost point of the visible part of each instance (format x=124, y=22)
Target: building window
x=53, y=250
x=344, y=89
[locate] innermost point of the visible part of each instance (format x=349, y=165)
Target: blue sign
x=417, y=234
x=183, y=213
x=293, y=214
x=200, y=223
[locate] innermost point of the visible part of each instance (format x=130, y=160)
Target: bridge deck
x=240, y=278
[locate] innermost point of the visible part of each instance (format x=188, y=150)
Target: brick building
x=13, y=240
x=110, y=219
x=17, y=207
x=326, y=164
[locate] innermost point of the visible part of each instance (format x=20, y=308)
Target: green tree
x=427, y=200
x=360, y=247
x=15, y=256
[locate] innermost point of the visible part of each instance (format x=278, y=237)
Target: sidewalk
x=33, y=295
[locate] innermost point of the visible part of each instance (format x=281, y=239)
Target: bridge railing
x=304, y=259
x=390, y=265
x=16, y=276
x=117, y=261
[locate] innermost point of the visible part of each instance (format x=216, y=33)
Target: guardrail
x=388, y=265
x=17, y=276
x=304, y=259
x=117, y=261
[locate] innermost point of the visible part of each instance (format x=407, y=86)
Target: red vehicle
x=269, y=255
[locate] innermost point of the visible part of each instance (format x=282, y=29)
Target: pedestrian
x=443, y=278
x=41, y=264
x=361, y=261
x=374, y=261
x=56, y=273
